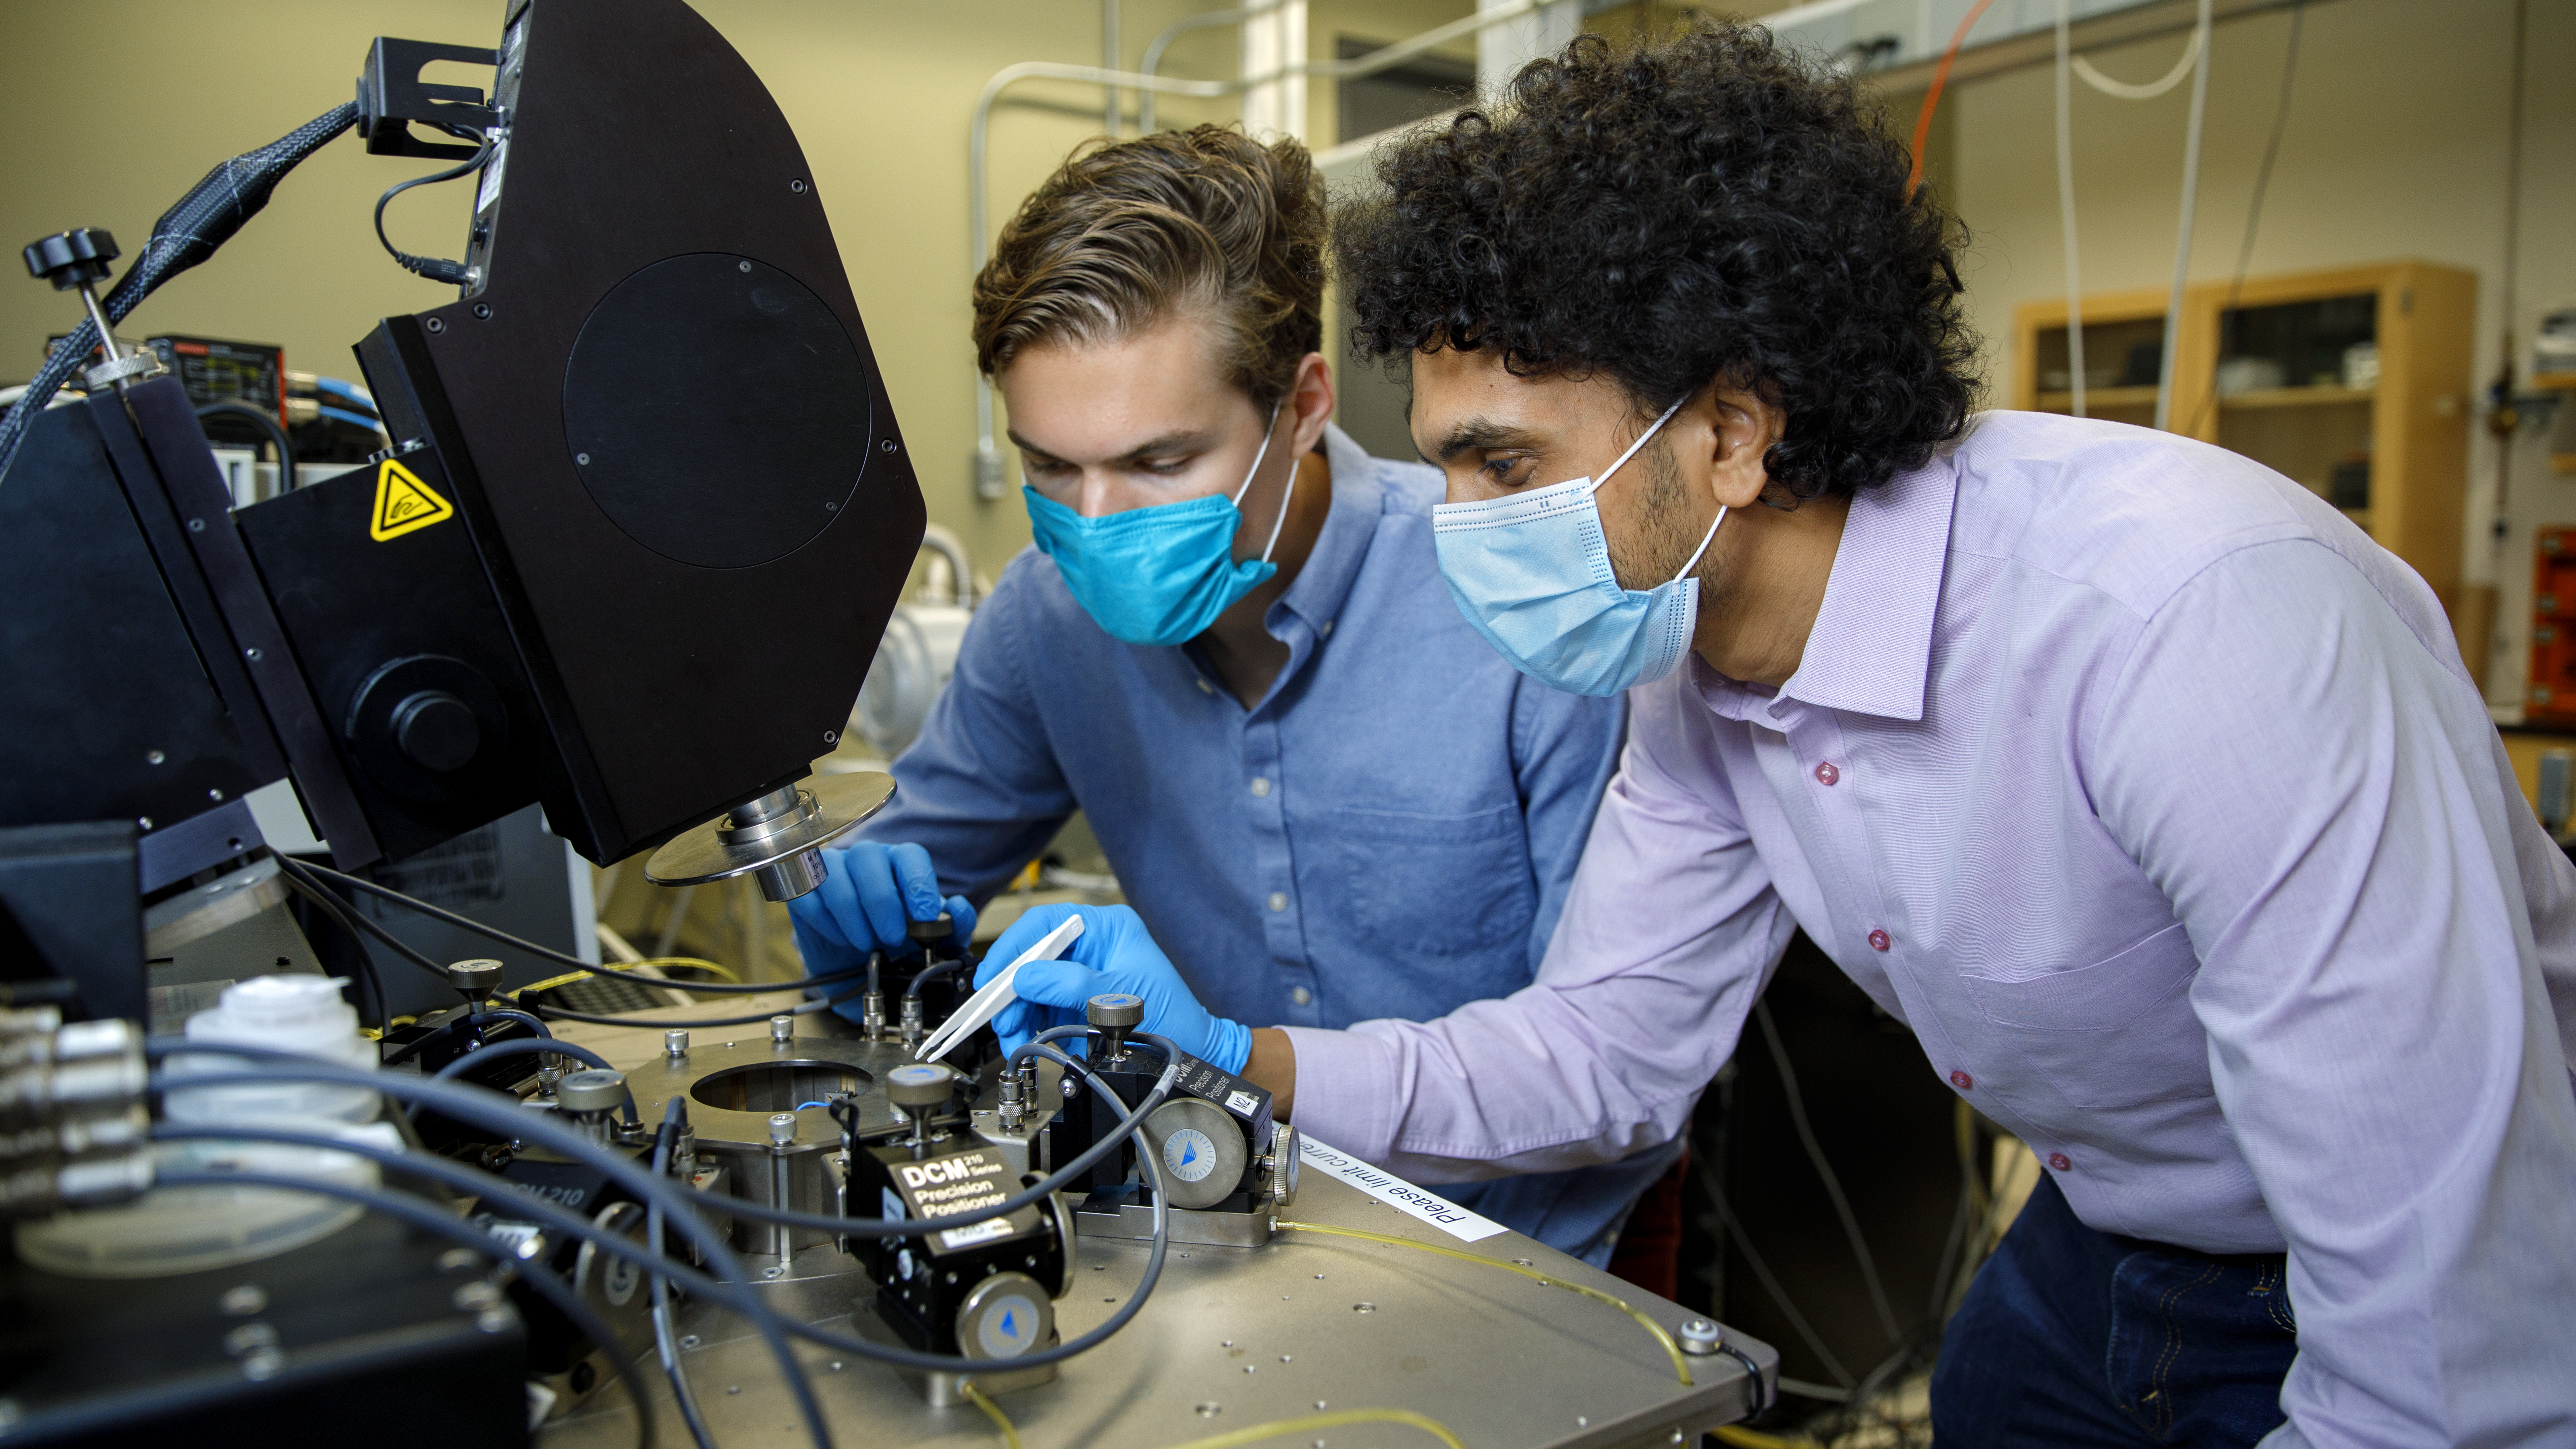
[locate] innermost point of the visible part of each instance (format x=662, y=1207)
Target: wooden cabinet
x=2353, y=381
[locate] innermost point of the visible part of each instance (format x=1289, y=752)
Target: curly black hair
x=1709, y=206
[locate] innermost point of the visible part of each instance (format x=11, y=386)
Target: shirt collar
x=1871, y=648
x=1359, y=496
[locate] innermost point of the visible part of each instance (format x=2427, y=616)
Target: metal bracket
x=391, y=94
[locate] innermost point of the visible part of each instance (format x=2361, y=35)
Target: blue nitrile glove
x=871, y=894
x=1113, y=953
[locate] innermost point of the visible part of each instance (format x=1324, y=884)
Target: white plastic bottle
x=192, y=1229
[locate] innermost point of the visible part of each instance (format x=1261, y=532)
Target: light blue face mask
x=1532, y=573
x=1159, y=575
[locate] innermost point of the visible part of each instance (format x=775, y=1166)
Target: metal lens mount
x=777, y=838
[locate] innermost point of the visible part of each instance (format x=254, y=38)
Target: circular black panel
x=716, y=410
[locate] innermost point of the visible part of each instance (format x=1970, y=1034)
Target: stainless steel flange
x=777, y=838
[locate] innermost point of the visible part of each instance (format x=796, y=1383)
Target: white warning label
x=1394, y=1191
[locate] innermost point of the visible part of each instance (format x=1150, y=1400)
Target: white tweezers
x=987, y=1003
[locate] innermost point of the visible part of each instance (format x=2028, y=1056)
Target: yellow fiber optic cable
x=1756, y=1439
x=1253, y=1435
x=1002, y=1421
x=1681, y=1365
x=1333, y=1420
x=698, y=963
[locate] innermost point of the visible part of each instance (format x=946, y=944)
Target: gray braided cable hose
x=186, y=234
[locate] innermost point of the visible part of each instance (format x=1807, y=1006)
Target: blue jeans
x=2070, y=1336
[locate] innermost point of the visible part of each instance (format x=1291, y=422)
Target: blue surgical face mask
x=1532, y=573
x=1159, y=575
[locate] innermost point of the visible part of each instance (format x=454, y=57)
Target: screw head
x=253, y=654
x=436, y=324
x=196, y=525
x=797, y=186
x=831, y=737
x=482, y=309
x=582, y=458
x=886, y=446
x=153, y=757
x=746, y=266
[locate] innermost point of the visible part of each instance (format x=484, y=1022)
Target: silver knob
x=782, y=1128
x=782, y=1029
x=592, y=1089
x=675, y=1042
x=1700, y=1337
x=917, y=1086
x=475, y=980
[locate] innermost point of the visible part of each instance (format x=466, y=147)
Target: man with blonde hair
x=1230, y=648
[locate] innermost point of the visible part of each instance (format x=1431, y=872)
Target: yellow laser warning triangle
x=404, y=504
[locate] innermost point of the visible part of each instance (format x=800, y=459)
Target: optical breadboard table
x=1237, y=1337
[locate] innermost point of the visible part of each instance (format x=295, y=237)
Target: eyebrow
x=1485, y=433
x=1180, y=441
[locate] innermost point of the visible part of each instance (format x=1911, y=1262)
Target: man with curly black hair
x=2142, y=785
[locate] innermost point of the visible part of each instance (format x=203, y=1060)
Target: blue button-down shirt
x=1389, y=832
x=2152, y=794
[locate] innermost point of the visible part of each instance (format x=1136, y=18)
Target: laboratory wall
x=2395, y=147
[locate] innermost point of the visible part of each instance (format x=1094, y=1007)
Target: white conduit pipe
x=2123, y=89
x=2066, y=209
x=2182, y=242
x=1153, y=62
x=979, y=206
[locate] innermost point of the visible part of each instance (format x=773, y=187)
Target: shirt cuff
x=1346, y=1094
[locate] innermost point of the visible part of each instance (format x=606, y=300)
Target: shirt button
x=2059, y=1161
x=1826, y=774
x=1260, y=785
x=1878, y=940
x=1301, y=996
x=1962, y=1081
x=1278, y=900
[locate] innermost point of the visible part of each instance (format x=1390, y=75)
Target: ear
x=1741, y=428
x=1310, y=401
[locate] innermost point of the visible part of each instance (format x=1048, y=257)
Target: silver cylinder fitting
x=782, y=1128
x=675, y=1043
x=782, y=1029
x=1700, y=1337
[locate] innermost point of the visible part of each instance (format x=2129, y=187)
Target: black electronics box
x=378, y=1334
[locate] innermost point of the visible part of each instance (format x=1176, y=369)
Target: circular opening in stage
x=775, y=1086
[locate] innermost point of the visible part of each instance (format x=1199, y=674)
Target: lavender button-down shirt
x=2154, y=797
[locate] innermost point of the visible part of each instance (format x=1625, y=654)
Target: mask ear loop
x=1703, y=545
x=1256, y=472
x=1623, y=458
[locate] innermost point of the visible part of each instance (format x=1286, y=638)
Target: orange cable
x=1932, y=97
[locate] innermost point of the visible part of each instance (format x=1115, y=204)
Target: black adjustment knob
x=437, y=731
x=933, y=931
x=69, y=258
